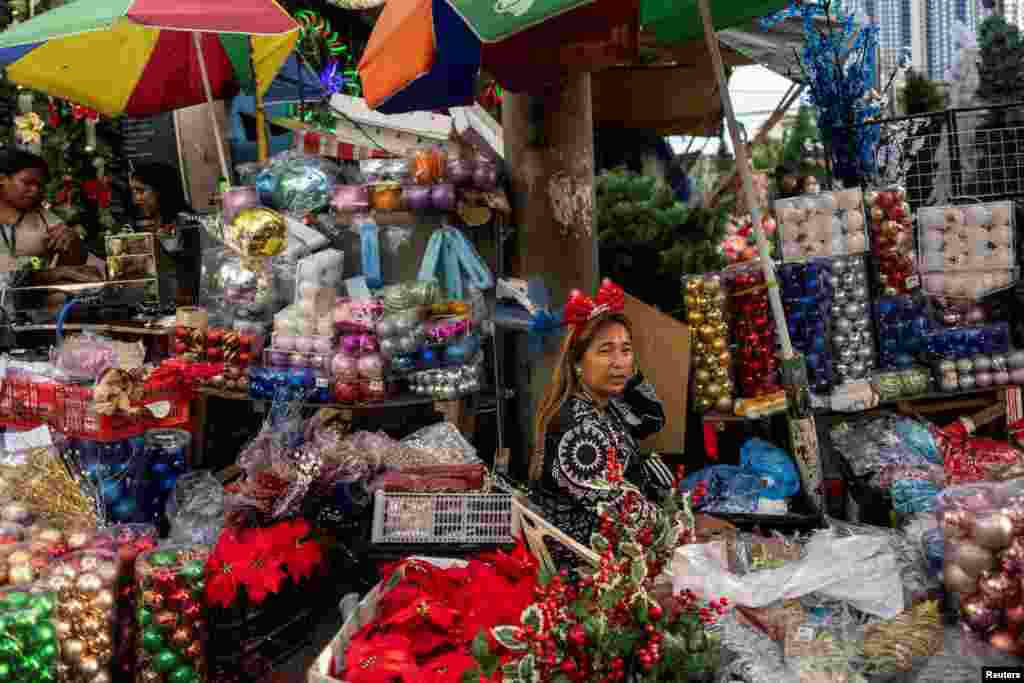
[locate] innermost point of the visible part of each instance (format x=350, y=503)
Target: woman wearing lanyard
x=29, y=231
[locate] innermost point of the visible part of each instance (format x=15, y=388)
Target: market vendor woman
x=597, y=403
x=27, y=230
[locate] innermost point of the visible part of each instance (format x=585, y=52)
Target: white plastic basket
x=444, y=518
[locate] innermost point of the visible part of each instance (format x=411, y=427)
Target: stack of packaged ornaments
x=171, y=613
x=29, y=651
x=706, y=314
x=447, y=384
x=967, y=252
x=757, y=361
x=984, y=560
x=824, y=224
x=807, y=298
x=903, y=328
x=853, y=343
x=892, y=241
x=980, y=371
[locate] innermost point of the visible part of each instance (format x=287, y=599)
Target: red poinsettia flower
x=514, y=565
x=99, y=190
x=300, y=554
x=224, y=569
x=447, y=667
x=263, y=575
x=380, y=659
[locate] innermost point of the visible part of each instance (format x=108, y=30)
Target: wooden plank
x=198, y=152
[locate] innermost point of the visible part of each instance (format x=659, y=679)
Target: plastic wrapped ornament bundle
x=171, y=613
x=244, y=289
x=903, y=327
x=807, y=299
x=126, y=542
x=980, y=371
x=706, y=301
x=967, y=252
x=894, y=384
x=229, y=347
x=967, y=342
x=298, y=184
x=449, y=383
x=756, y=359
x=820, y=225
x=984, y=560
x=29, y=652
x=115, y=469
x=892, y=241
x=852, y=340
x=166, y=458
x=289, y=384
x=85, y=584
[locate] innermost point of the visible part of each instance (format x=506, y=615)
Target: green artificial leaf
x=561, y=678
x=638, y=570
x=509, y=637
x=481, y=648
x=510, y=673
x=471, y=675
x=528, y=669
x=544, y=574
x=631, y=549
x=532, y=616
x=599, y=543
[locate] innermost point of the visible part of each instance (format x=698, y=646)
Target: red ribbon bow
x=580, y=309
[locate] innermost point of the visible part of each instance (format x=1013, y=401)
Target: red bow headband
x=580, y=309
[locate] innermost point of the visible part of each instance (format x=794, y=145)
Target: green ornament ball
x=163, y=558
x=144, y=617
x=9, y=647
x=44, y=633
x=200, y=586
x=194, y=570
x=43, y=603
x=184, y=674
x=47, y=652
x=5, y=671
x=165, y=661
x=16, y=599
x=152, y=640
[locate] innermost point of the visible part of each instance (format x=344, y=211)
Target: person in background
x=27, y=229
x=159, y=200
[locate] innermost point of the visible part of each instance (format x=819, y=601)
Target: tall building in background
x=940, y=19
x=1011, y=10
x=900, y=32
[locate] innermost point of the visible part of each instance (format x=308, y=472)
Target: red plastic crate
x=70, y=409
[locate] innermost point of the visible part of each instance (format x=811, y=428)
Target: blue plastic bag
x=919, y=438
x=728, y=489
x=774, y=466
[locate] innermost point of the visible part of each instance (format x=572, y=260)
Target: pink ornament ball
x=285, y=342
x=343, y=367
x=983, y=379
x=1017, y=376
x=346, y=392
x=370, y=366
x=322, y=345
x=303, y=344
x=278, y=358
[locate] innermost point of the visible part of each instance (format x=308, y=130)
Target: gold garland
x=46, y=486
x=897, y=643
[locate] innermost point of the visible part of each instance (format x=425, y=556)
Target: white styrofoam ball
x=953, y=216
x=931, y=219
x=1001, y=213
x=854, y=221
x=856, y=242
x=1001, y=235
x=977, y=215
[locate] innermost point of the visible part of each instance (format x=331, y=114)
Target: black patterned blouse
x=577, y=441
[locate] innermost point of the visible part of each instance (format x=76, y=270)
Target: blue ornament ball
x=125, y=509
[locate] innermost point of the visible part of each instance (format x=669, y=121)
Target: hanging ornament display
x=323, y=49
x=852, y=337
x=807, y=298
x=967, y=252
x=740, y=243
x=892, y=241
x=825, y=224
x=757, y=360
x=706, y=314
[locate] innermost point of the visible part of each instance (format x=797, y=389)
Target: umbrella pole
x=743, y=164
x=794, y=371
x=197, y=41
x=262, y=145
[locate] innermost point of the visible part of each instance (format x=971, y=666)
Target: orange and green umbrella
x=143, y=57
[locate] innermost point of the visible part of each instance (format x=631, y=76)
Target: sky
x=756, y=92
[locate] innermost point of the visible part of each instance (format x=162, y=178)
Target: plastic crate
x=70, y=409
x=443, y=518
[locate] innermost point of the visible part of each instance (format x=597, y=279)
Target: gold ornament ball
x=89, y=665
x=691, y=302
x=720, y=374
x=73, y=650
x=101, y=677
x=702, y=404
x=63, y=628
x=89, y=583
x=714, y=390
x=719, y=300
x=104, y=599
x=257, y=232
x=21, y=574
x=724, y=404
x=700, y=348
x=702, y=302
x=694, y=317
x=19, y=557
x=694, y=286
x=700, y=388
x=91, y=625
x=714, y=315
x=52, y=536
x=708, y=333
x=718, y=344
x=724, y=359
x=712, y=284
x=702, y=375
x=78, y=539
x=723, y=329
x=73, y=608
x=107, y=571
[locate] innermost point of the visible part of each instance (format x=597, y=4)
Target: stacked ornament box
x=756, y=356
x=706, y=308
x=967, y=252
x=807, y=299
x=822, y=225
x=851, y=330
x=892, y=241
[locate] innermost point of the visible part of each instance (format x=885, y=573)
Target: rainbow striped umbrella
x=143, y=57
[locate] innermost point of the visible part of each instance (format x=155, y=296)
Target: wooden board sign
x=662, y=348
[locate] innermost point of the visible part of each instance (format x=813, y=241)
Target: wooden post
x=262, y=144
x=549, y=149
